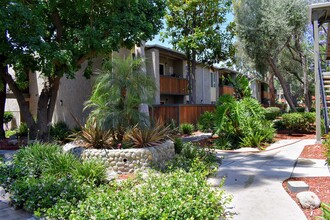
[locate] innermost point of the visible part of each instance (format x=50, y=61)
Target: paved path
x=255, y=181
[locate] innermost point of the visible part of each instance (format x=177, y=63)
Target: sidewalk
x=255, y=180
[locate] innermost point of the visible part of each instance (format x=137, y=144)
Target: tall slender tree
x=267, y=26
x=197, y=29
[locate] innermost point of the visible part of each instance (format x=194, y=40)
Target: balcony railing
x=173, y=85
x=226, y=90
x=265, y=95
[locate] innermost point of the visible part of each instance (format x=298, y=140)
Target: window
x=213, y=79
x=161, y=69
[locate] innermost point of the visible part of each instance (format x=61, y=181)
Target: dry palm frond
x=147, y=137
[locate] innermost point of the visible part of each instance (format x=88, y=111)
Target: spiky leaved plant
x=141, y=137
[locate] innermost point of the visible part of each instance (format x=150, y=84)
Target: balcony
x=226, y=90
x=173, y=86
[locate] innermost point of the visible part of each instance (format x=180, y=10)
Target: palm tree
x=119, y=90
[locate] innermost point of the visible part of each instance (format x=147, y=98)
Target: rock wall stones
x=126, y=160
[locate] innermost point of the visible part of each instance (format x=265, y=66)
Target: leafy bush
x=241, y=123
x=23, y=129
x=301, y=122
x=206, y=122
x=41, y=174
x=60, y=131
x=300, y=109
x=147, y=137
x=7, y=117
x=178, y=145
x=186, y=128
x=272, y=112
x=182, y=196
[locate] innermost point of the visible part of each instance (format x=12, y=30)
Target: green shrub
x=300, y=109
x=7, y=117
x=326, y=211
x=182, y=196
x=301, y=122
x=178, y=144
x=60, y=131
x=41, y=174
x=206, y=122
x=279, y=124
x=33, y=193
x=186, y=128
x=272, y=112
x=23, y=129
x=241, y=122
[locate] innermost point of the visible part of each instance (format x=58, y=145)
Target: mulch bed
x=5, y=146
x=319, y=185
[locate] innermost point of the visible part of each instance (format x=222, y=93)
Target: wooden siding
x=226, y=90
x=173, y=85
x=265, y=95
x=180, y=113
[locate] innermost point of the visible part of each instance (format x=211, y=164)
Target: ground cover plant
x=53, y=184
x=41, y=174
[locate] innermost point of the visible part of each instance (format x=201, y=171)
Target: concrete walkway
x=255, y=180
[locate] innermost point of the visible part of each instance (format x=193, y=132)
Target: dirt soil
x=319, y=185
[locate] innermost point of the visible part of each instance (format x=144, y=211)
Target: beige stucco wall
x=203, y=85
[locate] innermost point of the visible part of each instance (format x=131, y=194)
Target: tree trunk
x=271, y=90
x=3, y=70
x=286, y=91
x=46, y=106
x=189, y=77
x=23, y=106
x=308, y=103
x=193, y=76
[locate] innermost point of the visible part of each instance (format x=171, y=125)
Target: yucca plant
x=141, y=137
x=94, y=136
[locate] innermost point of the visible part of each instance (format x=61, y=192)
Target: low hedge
x=301, y=122
x=272, y=112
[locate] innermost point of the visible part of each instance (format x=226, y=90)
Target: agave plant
x=146, y=137
x=94, y=136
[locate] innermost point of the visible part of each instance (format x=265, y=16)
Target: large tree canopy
x=197, y=29
x=57, y=36
x=266, y=28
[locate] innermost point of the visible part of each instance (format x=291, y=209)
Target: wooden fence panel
x=180, y=113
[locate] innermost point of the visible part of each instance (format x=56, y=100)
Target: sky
x=156, y=40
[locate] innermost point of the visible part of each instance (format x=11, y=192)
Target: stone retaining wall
x=126, y=160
